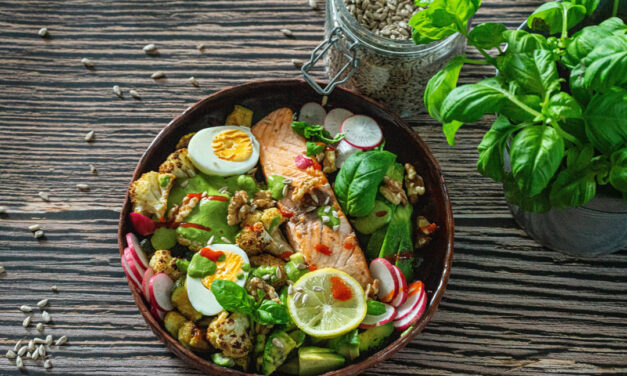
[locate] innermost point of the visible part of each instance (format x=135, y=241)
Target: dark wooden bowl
x=265, y=96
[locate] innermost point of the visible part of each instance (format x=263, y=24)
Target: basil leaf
x=572, y=188
x=606, y=120
x=492, y=147
x=590, y=5
x=461, y=9
x=314, y=148
x=375, y=308
x=578, y=159
x=232, y=297
x=618, y=171
x=522, y=41
x=470, y=102
x=433, y=23
x=488, y=35
x=315, y=132
x=563, y=106
x=271, y=312
x=450, y=129
x=538, y=203
x=418, y=38
x=585, y=40
x=441, y=84
x=516, y=114
x=549, y=17
x=607, y=64
x=536, y=154
x=535, y=73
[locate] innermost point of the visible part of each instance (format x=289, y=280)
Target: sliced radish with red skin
x=362, y=132
x=157, y=313
x=343, y=151
x=382, y=270
x=371, y=321
x=137, y=270
x=312, y=113
x=414, y=315
x=160, y=288
x=402, y=295
x=146, y=283
x=416, y=290
x=129, y=274
x=142, y=224
x=334, y=119
x=136, y=250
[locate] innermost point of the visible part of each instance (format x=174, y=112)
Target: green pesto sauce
x=201, y=266
x=212, y=215
x=328, y=216
x=275, y=186
x=163, y=238
x=210, y=184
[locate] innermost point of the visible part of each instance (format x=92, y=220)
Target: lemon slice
x=327, y=303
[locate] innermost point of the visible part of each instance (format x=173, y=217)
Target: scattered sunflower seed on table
x=47, y=364
x=43, y=32
x=39, y=234
x=22, y=351
x=82, y=187
x=157, y=75
x=3, y=209
x=26, y=322
x=287, y=32
x=34, y=227
x=87, y=62
x=1, y=269
x=298, y=63
x=45, y=316
x=44, y=196
x=90, y=136
x=92, y=169
x=61, y=340
x=26, y=308
x=150, y=48
x=42, y=303
x=117, y=91
x=192, y=80
x=134, y=94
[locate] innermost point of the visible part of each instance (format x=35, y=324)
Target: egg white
x=201, y=298
x=201, y=153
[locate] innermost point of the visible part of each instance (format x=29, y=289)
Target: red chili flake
x=211, y=254
x=312, y=268
x=322, y=249
x=339, y=289
x=286, y=255
x=429, y=229
x=381, y=213
x=316, y=165
x=303, y=162
x=286, y=213
x=349, y=245
x=194, y=195
x=195, y=225
x=218, y=198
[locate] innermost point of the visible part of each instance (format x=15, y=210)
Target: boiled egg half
x=224, y=151
x=199, y=289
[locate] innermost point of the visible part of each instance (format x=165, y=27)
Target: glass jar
x=394, y=72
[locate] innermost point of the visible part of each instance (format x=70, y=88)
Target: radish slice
x=136, y=250
x=402, y=292
x=343, y=151
x=416, y=290
x=157, y=313
x=414, y=315
x=382, y=270
x=146, y=283
x=334, y=119
x=160, y=288
x=129, y=274
x=142, y=224
x=362, y=132
x=137, y=270
x=371, y=321
x=312, y=113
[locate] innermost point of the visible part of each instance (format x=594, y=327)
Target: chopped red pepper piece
x=323, y=249
x=339, y=289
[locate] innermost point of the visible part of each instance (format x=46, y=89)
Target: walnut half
x=414, y=183
x=238, y=208
x=392, y=190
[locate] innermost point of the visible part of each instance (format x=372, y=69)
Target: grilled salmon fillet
x=309, y=189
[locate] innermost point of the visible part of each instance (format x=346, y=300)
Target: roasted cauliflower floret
x=149, y=194
x=392, y=190
x=184, y=141
x=254, y=239
x=263, y=200
x=413, y=183
x=255, y=284
x=328, y=164
x=163, y=262
x=271, y=219
x=238, y=208
x=192, y=337
x=179, y=164
x=229, y=333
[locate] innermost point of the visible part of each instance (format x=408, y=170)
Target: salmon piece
x=310, y=189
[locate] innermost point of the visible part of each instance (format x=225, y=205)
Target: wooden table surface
x=511, y=307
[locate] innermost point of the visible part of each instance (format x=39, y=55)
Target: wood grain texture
x=512, y=307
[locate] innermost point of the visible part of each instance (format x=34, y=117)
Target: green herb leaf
x=518, y=115
x=549, y=17
x=618, y=171
x=539, y=203
x=441, y=84
x=433, y=24
x=590, y=5
x=470, y=102
x=536, y=154
x=375, y=308
x=587, y=39
x=488, y=35
x=271, y=312
x=450, y=129
x=492, y=147
x=606, y=121
x=522, y=41
x=578, y=159
x=232, y=297
x=535, y=73
x=572, y=188
x=607, y=64
x=563, y=106
x=315, y=133
x=314, y=148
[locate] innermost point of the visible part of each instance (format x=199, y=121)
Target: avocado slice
x=317, y=360
x=172, y=322
x=274, y=355
x=298, y=337
x=373, y=338
x=346, y=345
x=290, y=367
x=377, y=218
x=180, y=300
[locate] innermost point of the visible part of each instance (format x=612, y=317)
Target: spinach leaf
x=315, y=132
x=441, y=84
x=606, y=120
x=536, y=154
x=492, y=147
x=469, y=103
x=538, y=203
x=607, y=64
x=270, y=312
x=618, y=171
x=572, y=188
x=232, y=297
x=488, y=35
x=535, y=73
x=522, y=41
x=314, y=148
x=550, y=17
x=357, y=183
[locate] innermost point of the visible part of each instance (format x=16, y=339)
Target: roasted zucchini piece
x=172, y=322
x=180, y=300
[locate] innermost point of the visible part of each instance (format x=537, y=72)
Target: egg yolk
x=232, y=145
x=228, y=269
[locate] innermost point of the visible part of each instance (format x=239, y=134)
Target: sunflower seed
x=34, y=227
x=26, y=308
x=18, y=362
x=305, y=299
x=297, y=297
x=87, y=62
x=61, y=340
x=22, y=351
x=325, y=218
x=47, y=364
x=318, y=289
x=278, y=273
x=298, y=63
x=38, y=340
x=157, y=75
x=49, y=339
x=1, y=269
x=92, y=169
x=42, y=350
x=31, y=345
x=134, y=94
x=43, y=32
x=314, y=197
x=327, y=209
x=287, y=181
x=335, y=214
x=276, y=342
x=289, y=282
x=11, y=354
x=301, y=266
x=287, y=32
x=28, y=355
x=26, y=321
x=200, y=47
x=89, y=137
x=266, y=277
x=46, y=316
x=336, y=227
x=192, y=80
x=3, y=209
x=310, y=209
x=223, y=190
x=40, y=327
x=117, y=91
x=42, y=303
x=284, y=191
x=150, y=48
x=17, y=345
x=290, y=290
x=39, y=234
x=300, y=289
x=54, y=288
x=225, y=239
x=326, y=200
x=313, y=4
x=44, y=196
x=82, y=187
x=35, y=355
x=324, y=100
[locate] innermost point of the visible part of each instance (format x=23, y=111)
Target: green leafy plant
x=318, y=137
x=234, y=298
x=561, y=99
